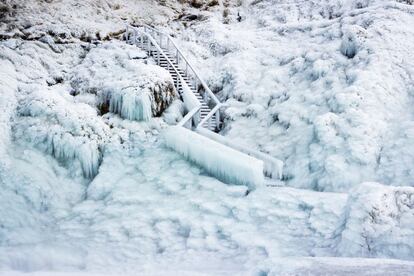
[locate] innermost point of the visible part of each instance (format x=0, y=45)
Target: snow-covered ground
x=87, y=185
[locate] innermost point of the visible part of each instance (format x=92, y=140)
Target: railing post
x=134, y=37
x=176, y=81
x=206, y=96
x=218, y=119
x=160, y=41
x=176, y=57
x=127, y=33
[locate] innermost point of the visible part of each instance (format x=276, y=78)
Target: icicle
x=130, y=104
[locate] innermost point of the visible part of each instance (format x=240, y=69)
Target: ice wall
x=225, y=163
x=70, y=132
x=129, y=102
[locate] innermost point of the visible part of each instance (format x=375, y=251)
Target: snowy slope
x=89, y=189
x=294, y=93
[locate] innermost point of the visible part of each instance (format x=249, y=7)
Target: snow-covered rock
x=123, y=85
x=378, y=222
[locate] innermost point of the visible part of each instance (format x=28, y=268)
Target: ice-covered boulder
x=123, y=84
x=378, y=222
x=352, y=39
x=71, y=132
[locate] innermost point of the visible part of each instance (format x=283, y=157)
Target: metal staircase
x=204, y=107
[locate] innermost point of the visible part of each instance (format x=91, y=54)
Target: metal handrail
x=187, y=118
x=152, y=40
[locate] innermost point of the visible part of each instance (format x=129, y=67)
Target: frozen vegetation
x=89, y=187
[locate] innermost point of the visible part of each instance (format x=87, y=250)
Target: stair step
x=164, y=61
x=178, y=73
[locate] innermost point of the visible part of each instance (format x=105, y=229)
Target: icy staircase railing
x=147, y=37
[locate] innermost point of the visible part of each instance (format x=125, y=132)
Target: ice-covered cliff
x=87, y=184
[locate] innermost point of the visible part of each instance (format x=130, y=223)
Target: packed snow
x=89, y=186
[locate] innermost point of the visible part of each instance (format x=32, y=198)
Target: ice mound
x=71, y=132
x=378, y=222
x=352, y=40
x=122, y=83
x=174, y=113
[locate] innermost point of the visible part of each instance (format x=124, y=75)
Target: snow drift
x=225, y=163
